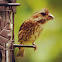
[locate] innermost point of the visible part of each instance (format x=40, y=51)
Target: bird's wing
x=25, y=30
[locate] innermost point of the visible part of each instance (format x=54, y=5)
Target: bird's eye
x=43, y=14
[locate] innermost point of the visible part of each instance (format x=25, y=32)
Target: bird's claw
x=35, y=46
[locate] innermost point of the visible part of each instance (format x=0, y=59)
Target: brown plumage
x=32, y=27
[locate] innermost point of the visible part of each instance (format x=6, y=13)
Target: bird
x=31, y=28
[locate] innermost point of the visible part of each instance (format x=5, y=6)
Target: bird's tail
x=20, y=52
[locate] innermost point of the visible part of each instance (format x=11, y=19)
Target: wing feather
x=25, y=30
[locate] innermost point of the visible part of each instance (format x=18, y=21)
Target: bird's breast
x=35, y=32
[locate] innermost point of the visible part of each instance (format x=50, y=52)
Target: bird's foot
x=35, y=46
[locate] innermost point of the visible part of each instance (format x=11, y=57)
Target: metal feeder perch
x=7, y=11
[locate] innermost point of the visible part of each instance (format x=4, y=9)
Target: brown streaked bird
x=32, y=27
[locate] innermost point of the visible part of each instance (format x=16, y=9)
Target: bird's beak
x=51, y=16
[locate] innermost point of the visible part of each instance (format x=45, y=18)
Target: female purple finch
x=32, y=27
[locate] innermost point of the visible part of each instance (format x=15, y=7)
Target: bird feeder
x=7, y=11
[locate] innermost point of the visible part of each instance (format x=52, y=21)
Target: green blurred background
x=50, y=41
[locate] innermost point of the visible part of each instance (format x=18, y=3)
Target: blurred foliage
x=50, y=41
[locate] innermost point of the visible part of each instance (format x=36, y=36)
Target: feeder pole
x=7, y=11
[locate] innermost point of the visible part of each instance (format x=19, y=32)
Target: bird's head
x=43, y=16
